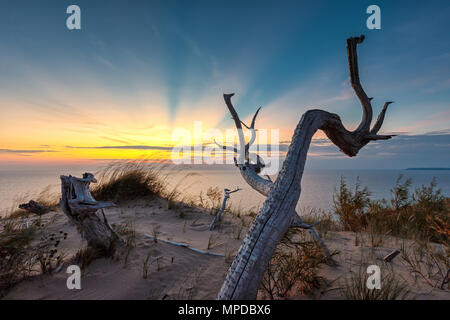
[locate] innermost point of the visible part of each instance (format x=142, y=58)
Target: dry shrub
x=323, y=222
x=128, y=233
x=27, y=251
x=421, y=214
x=293, y=268
x=212, y=200
x=429, y=262
x=214, y=196
x=85, y=256
x=351, y=207
x=47, y=251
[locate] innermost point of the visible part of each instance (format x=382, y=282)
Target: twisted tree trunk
x=81, y=209
x=278, y=212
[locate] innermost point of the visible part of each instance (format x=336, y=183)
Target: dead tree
x=278, y=212
x=81, y=209
x=222, y=209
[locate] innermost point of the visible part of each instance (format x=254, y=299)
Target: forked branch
x=244, y=154
x=278, y=214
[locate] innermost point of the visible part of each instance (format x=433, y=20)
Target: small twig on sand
x=185, y=246
x=391, y=256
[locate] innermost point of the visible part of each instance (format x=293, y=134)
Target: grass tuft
x=420, y=214
x=129, y=180
x=391, y=287
x=293, y=268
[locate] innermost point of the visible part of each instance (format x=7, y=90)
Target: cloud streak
x=141, y=147
x=24, y=151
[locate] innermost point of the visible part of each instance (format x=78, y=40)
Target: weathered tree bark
x=278, y=212
x=250, y=165
x=222, y=209
x=81, y=209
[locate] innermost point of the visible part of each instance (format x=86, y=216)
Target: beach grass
x=421, y=215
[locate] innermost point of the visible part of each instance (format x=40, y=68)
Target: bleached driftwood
x=250, y=170
x=185, y=245
x=278, y=214
x=81, y=209
x=34, y=207
x=216, y=219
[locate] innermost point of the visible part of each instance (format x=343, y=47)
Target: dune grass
x=46, y=197
x=126, y=181
x=26, y=251
x=392, y=287
x=423, y=213
x=129, y=180
x=16, y=262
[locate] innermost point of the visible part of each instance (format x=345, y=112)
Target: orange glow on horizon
x=102, y=129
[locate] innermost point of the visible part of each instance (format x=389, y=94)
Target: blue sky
x=164, y=64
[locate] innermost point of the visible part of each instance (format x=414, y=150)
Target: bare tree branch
x=356, y=84
x=380, y=119
x=278, y=214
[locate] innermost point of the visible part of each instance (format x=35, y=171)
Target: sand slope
x=179, y=273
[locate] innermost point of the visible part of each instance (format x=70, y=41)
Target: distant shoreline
x=440, y=169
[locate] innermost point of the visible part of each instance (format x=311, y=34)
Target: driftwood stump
x=81, y=209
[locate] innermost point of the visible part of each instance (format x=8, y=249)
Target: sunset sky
x=137, y=71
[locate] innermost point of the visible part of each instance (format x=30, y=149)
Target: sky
x=138, y=71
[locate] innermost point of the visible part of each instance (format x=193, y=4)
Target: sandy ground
x=179, y=273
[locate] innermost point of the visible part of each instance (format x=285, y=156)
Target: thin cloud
x=19, y=151
x=141, y=147
x=114, y=140
x=438, y=132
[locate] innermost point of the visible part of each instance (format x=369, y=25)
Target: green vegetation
x=422, y=214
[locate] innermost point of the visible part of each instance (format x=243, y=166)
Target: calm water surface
x=17, y=185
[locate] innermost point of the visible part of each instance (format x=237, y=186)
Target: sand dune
x=179, y=273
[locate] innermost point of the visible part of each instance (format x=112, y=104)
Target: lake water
x=22, y=184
